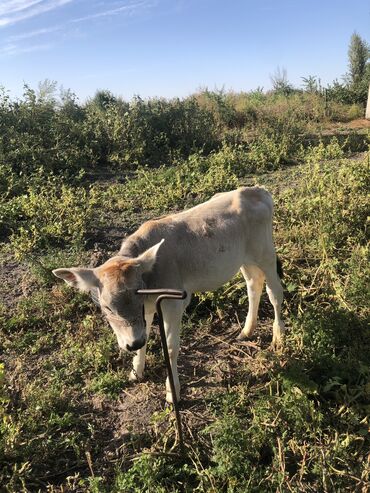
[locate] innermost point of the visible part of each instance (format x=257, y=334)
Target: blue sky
x=174, y=47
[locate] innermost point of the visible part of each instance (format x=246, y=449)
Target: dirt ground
x=14, y=281
x=208, y=363
x=358, y=125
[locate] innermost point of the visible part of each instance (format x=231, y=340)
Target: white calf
x=195, y=250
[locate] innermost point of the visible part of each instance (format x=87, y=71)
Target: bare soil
x=342, y=127
x=15, y=281
x=359, y=123
x=210, y=363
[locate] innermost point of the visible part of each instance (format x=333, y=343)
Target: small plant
x=324, y=152
x=51, y=216
x=110, y=383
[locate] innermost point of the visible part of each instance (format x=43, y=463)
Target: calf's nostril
x=135, y=345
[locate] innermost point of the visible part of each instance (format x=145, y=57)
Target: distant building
x=367, y=114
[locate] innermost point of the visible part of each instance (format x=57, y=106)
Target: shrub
x=157, y=131
x=198, y=178
x=50, y=215
x=35, y=133
x=273, y=144
x=326, y=216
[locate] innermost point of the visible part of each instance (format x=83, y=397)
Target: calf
x=195, y=250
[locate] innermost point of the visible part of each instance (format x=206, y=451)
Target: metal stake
x=168, y=294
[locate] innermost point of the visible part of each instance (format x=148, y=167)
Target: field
x=74, y=180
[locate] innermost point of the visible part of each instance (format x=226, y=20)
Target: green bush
x=326, y=216
x=50, y=215
x=158, y=131
x=36, y=132
x=323, y=152
x=195, y=180
x=59, y=134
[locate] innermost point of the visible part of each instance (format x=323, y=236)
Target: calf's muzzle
x=137, y=344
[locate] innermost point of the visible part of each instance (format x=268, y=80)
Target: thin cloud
x=13, y=49
x=10, y=6
x=33, y=34
x=18, y=10
x=131, y=8
x=14, y=11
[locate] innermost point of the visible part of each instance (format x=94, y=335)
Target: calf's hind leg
x=254, y=278
x=275, y=293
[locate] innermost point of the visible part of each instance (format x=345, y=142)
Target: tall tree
x=358, y=55
x=279, y=81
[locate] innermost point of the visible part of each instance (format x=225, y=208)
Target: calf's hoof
x=277, y=344
x=134, y=377
x=243, y=337
x=169, y=398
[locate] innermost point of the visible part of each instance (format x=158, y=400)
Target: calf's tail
x=279, y=268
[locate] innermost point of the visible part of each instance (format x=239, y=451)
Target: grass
x=254, y=420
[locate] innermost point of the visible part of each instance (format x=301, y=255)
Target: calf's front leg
x=138, y=362
x=172, y=313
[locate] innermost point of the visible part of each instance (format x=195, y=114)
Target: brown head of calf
x=113, y=286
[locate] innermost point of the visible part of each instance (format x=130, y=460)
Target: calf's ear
x=80, y=278
x=147, y=259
